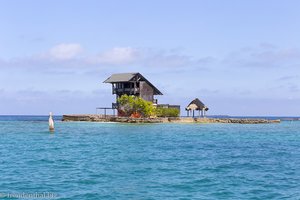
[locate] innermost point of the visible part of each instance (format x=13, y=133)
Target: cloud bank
x=73, y=74
x=73, y=56
x=263, y=56
x=64, y=51
x=115, y=56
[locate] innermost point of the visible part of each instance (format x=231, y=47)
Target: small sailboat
x=51, y=123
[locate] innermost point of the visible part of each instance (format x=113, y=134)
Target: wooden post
x=130, y=88
x=193, y=113
x=134, y=88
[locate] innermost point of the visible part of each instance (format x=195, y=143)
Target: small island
x=109, y=118
x=135, y=103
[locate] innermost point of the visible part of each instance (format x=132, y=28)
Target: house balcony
x=126, y=90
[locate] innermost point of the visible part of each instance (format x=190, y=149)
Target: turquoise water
x=158, y=161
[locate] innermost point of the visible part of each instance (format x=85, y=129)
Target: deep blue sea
x=83, y=160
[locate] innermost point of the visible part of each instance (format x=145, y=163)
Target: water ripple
x=162, y=161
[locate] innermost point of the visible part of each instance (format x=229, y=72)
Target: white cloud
x=165, y=59
x=277, y=56
x=288, y=78
x=65, y=51
x=145, y=57
x=117, y=55
x=67, y=57
x=2, y=63
x=264, y=56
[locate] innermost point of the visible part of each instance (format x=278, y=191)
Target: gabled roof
x=196, y=104
x=127, y=77
x=122, y=77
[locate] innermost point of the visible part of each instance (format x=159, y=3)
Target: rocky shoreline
x=109, y=118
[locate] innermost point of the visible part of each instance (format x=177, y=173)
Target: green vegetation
x=132, y=106
x=135, y=106
x=167, y=112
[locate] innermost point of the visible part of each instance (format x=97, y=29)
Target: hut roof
x=196, y=104
x=128, y=77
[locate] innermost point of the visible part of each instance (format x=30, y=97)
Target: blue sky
x=239, y=57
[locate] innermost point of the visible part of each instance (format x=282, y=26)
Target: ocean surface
x=83, y=160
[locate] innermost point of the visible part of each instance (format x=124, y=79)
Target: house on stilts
x=135, y=84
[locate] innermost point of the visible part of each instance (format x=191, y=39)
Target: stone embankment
x=109, y=118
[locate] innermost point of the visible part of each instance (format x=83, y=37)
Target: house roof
x=127, y=77
x=122, y=77
x=196, y=104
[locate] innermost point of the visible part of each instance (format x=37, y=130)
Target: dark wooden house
x=133, y=84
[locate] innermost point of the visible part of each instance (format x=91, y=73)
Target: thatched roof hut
x=196, y=104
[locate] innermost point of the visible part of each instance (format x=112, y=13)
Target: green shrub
x=126, y=105
x=167, y=112
x=130, y=105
